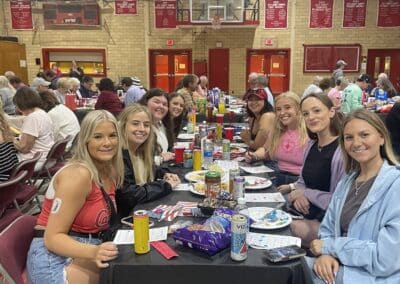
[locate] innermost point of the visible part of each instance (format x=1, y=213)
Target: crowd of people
x=333, y=159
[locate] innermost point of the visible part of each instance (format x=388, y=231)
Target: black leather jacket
x=131, y=194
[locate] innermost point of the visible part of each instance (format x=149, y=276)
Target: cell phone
x=284, y=253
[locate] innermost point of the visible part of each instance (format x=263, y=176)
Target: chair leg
x=17, y=205
x=38, y=202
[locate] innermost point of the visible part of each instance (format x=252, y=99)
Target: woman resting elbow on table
x=359, y=238
x=142, y=182
x=287, y=141
x=322, y=169
x=261, y=119
x=77, y=207
x=37, y=128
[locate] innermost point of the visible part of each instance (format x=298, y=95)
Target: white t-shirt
x=38, y=124
x=162, y=140
x=65, y=123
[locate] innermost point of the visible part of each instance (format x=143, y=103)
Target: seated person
x=322, y=169
x=261, y=119
x=174, y=118
x=108, y=98
x=359, y=237
x=37, y=128
x=78, y=205
x=8, y=153
x=287, y=141
x=142, y=181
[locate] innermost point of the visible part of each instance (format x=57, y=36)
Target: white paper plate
x=254, y=182
x=239, y=145
x=198, y=189
x=186, y=136
x=195, y=176
x=261, y=220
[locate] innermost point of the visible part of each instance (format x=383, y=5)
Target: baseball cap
x=364, y=78
x=38, y=81
x=260, y=93
x=341, y=62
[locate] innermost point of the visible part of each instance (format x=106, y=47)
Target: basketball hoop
x=216, y=22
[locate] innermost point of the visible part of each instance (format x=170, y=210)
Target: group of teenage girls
x=341, y=174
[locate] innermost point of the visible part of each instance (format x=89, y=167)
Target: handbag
x=114, y=220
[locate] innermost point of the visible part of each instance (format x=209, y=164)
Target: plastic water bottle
x=241, y=207
x=208, y=150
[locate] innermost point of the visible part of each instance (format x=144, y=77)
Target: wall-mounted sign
x=170, y=42
x=321, y=14
x=354, y=13
x=21, y=15
x=388, y=13
x=125, y=7
x=269, y=41
x=165, y=13
x=276, y=14
x=71, y=14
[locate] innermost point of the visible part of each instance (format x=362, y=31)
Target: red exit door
x=219, y=68
x=168, y=67
x=272, y=63
x=384, y=61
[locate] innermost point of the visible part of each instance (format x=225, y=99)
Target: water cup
x=229, y=132
x=179, y=154
x=220, y=118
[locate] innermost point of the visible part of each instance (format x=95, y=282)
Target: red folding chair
x=9, y=190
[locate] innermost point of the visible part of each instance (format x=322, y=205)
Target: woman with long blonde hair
x=143, y=181
x=8, y=153
x=287, y=140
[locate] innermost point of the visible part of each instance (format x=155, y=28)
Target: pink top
x=335, y=96
x=290, y=152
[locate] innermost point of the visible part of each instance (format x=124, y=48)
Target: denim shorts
x=44, y=267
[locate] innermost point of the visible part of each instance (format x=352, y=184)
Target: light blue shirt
x=133, y=94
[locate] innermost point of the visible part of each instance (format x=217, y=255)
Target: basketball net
x=216, y=22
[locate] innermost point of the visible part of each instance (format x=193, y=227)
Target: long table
x=195, y=267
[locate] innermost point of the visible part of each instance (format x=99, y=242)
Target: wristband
x=292, y=187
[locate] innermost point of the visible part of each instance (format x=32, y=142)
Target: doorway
x=168, y=67
x=13, y=58
x=384, y=61
x=219, y=68
x=272, y=63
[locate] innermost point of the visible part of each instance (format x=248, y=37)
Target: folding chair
x=9, y=190
x=15, y=241
x=28, y=190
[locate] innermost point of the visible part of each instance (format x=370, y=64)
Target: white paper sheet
x=264, y=197
x=126, y=237
x=268, y=241
x=183, y=187
x=257, y=170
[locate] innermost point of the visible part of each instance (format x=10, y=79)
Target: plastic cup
x=179, y=154
x=220, y=118
x=229, y=131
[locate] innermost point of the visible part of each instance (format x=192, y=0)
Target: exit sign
x=269, y=41
x=170, y=42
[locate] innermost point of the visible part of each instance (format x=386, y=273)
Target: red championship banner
x=321, y=14
x=388, y=13
x=125, y=7
x=165, y=13
x=21, y=15
x=354, y=13
x=276, y=14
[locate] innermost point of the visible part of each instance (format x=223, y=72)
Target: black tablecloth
x=194, y=267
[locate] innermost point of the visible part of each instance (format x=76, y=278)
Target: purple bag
x=211, y=236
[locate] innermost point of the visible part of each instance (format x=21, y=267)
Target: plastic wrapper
x=211, y=236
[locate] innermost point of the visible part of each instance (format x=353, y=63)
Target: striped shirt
x=8, y=160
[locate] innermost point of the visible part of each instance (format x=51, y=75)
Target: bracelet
x=292, y=187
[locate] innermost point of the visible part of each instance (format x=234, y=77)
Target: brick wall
x=130, y=37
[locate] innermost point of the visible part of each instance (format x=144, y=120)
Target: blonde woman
x=287, y=141
x=78, y=205
x=6, y=96
x=143, y=181
x=63, y=89
x=8, y=153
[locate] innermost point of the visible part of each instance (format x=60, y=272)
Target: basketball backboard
x=205, y=11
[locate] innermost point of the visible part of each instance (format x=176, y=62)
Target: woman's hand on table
x=105, y=252
x=172, y=179
x=167, y=156
x=316, y=247
x=326, y=268
x=284, y=188
x=250, y=157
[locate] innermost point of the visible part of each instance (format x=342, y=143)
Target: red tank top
x=93, y=216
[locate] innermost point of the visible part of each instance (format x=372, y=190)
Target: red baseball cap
x=260, y=93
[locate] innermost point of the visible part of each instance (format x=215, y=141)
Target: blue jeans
x=284, y=178
x=44, y=267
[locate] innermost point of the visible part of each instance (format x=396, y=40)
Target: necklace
x=358, y=186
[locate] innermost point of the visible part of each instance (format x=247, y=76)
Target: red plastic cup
x=179, y=154
x=220, y=118
x=229, y=131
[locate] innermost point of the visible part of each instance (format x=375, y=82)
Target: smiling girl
x=174, y=119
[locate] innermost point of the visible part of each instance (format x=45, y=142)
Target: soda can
x=187, y=159
x=197, y=160
x=141, y=231
x=218, y=130
x=238, y=187
x=226, y=149
x=232, y=174
x=239, y=228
